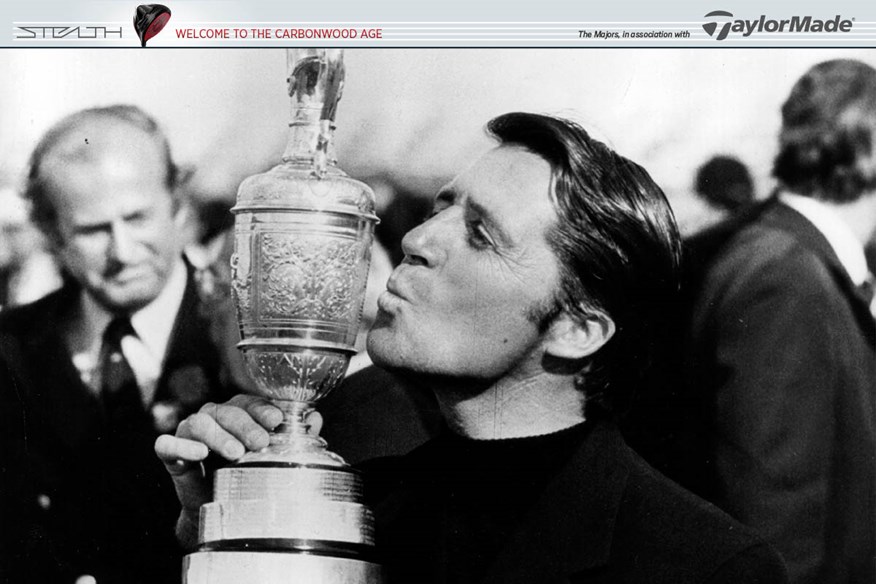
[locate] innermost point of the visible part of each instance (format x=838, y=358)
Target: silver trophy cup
x=294, y=511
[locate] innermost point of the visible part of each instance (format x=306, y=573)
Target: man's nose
x=122, y=243
x=426, y=244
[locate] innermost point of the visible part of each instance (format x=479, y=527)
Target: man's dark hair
x=43, y=211
x=725, y=182
x=828, y=129
x=617, y=244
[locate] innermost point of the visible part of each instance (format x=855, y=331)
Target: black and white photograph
x=439, y=315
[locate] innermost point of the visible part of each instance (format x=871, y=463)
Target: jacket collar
x=783, y=217
x=185, y=343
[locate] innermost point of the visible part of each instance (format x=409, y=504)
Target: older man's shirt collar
x=154, y=322
x=847, y=248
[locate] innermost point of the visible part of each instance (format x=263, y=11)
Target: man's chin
x=385, y=350
x=391, y=355
x=376, y=348
x=127, y=299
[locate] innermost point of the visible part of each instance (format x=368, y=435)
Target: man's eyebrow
x=449, y=195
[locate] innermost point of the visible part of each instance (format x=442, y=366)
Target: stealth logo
x=711, y=27
x=63, y=32
x=795, y=24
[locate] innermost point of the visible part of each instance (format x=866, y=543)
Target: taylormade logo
x=763, y=24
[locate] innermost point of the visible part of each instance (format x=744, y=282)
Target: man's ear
x=576, y=338
x=185, y=221
x=184, y=216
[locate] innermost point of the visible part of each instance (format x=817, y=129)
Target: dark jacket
x=604, y=516
x=58, y=518
x=775, y=421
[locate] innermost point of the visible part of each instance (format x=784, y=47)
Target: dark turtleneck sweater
x=463, y=499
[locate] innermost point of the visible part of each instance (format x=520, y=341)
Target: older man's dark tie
x=128, y=438
x=120, y=393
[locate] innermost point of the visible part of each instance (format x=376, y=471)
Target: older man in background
x=92, y=373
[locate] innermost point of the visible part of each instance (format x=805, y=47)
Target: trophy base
x=292, y=512
x=276, y=504
x=273, y=523
x=293, y=450
x=243, y=567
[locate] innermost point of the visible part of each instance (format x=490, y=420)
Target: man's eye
x=137, y=219
x=478, y=236
x=91, y=230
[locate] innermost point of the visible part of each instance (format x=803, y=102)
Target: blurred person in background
x=91, y=374
x=27, y=270
x=775, y=421
x=722, y=186
x=725, y=183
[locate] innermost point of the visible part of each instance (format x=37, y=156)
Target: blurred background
x=411, y=119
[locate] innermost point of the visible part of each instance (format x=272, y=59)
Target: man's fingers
x=182, y=459
x=205, y=428
x=261, y=410
x=314, y=420
x=173, y=450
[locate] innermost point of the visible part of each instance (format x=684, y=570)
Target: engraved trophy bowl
x=300, y=265
x=293, y=511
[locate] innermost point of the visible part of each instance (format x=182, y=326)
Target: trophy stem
x=291, y=442
x=294, y=419
x=293, y=435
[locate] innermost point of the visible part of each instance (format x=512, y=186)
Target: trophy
x=293, y=511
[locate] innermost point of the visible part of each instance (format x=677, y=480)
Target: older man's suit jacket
x=58, y=520
x=604, y=517
x=776, y=422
